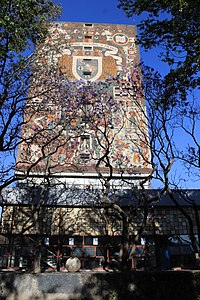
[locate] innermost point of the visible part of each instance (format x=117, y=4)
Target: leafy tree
x=174, y=26
x=23, y=25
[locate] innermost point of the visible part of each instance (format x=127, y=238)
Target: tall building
x=85, y=146
x=85, y=119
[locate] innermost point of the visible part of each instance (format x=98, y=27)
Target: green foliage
x=175, y=26
x=22, y=23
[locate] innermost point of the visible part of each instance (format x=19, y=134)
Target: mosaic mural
x=73, y=136
x=93, y=51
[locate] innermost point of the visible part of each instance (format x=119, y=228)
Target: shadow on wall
x=16, y=286
x=139, y=285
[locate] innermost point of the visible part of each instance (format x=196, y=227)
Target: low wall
x=138, y=285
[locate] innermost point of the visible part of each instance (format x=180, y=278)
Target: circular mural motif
x=120, y=39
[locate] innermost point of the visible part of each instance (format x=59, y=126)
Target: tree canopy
x=23, y=25
x=175, y=27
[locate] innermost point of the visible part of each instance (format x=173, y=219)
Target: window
x=85, y=142
x=95, y=241
x=46, y=241
x=87, y=59
x=71, y=241
x=89, y=251
x=77, y=252
x=78, y=240
x=88, y=37
x=84, y=148
x=87, y=48
x=87, y=73
x=66, y=251
x=117, y=94
x=100, y=251
x=88, y=25
x=84, y=156
x=88, y=240
x=71, y=144
x=117, y=91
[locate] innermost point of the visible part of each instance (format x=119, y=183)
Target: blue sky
x=105, y=11
x=97, y=11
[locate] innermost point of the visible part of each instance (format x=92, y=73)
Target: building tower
x=84, y=133
x=85, y=118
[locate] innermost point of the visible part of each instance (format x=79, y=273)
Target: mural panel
x=55, y=134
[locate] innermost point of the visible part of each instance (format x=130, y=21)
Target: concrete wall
x=173, y=285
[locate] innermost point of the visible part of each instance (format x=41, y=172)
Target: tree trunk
x=125, y=245
x=37, y=260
